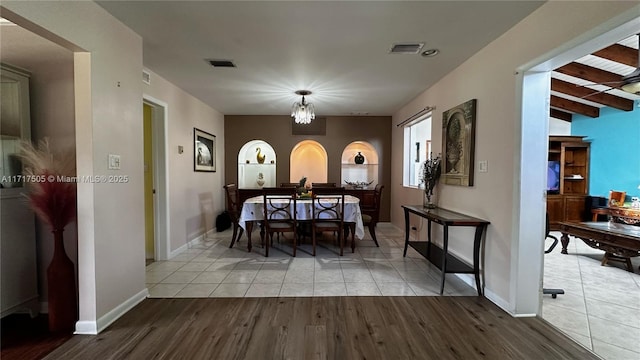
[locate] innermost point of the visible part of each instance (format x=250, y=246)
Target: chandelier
x=303, y=112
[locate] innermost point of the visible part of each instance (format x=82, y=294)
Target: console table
x=619, y=241
x=440, y=257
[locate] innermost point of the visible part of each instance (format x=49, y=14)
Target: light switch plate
x=483, y=166
x=114, y=162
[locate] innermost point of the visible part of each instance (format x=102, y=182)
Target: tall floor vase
x=61, y=280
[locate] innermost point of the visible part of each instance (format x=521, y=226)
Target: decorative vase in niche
x=61, y=281
x=260, y=180
x=359, y=159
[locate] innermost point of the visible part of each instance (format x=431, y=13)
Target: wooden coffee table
x=620, y=242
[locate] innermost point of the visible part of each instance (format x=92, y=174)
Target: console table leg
x=406, y=232
x=445, y=246
x=476, y=256
x=565, y=242
x=429, y=238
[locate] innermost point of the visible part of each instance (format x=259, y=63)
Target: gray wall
x=340, y=132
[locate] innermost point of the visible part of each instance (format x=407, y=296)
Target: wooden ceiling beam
x=559, y=114
x=590, y=73
x=591, y=95
x=574, y=106
x=619, y=53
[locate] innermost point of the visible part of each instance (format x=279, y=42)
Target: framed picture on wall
x=204, y=151
x=458, y=143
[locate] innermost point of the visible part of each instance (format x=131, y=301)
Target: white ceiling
x=336, y=49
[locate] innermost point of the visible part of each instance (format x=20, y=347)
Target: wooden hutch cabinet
x=568, y=202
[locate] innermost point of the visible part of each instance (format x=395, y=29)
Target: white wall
x=187, y=187
x=108, y=99
x=489, y=76
x=108, y=121
x=52, y=116
x=559, y=127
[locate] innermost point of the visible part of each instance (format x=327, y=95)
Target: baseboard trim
x=29, y=306
x=470, y=280
x=197, y=240
x=95, y=327
x=206, y=235
x=86, y=328
x=500, y=302
x=523, y=315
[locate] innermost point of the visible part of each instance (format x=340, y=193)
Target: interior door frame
x=159, y=135
x=534, y=82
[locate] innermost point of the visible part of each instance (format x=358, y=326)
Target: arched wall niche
x=256, y=165
x=308, y=158
x=367, y=172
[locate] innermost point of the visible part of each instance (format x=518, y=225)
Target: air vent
x=406, y=48
x=221, y=63
x=146, y=77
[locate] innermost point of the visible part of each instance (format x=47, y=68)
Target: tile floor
x=211, y=269
x=600, y=308
x=601, y=305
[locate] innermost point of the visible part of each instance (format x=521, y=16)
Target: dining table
x=253, y=211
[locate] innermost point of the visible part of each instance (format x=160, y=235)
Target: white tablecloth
x=252, y=210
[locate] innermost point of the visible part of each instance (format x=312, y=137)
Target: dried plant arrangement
x=430, y=173
x=51, y=197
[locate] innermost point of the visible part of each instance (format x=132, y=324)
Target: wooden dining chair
x=371, y=213
x=280, y=213
x=328, y=214
x=234, y=207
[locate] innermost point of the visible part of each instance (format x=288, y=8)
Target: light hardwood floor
x=323, y=328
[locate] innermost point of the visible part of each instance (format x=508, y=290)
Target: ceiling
x=336, y=49
x=343, y=83
x=574, y=89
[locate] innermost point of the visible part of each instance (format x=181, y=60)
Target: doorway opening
x=529, y=262
x=157, y=221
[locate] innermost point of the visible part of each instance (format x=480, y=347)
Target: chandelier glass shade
x=303, y=112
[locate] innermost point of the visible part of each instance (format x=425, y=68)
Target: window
x=417, y=146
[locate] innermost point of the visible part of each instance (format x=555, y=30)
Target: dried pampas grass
x=51, y=197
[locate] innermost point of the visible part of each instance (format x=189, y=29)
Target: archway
x=363, y=171
x=308, y=158
x=256, y=165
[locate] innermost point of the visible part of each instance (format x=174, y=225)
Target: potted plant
x=429, y=175
x=52, y=197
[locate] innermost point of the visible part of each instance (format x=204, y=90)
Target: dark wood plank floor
x=323, y=328
x=24, y=338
